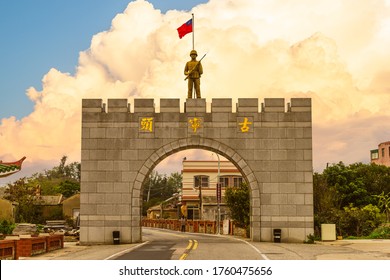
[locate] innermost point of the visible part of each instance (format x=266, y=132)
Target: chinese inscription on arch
x=147, y=124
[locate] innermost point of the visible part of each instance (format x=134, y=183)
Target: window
x=224, y=181
x=201, y=181
x=374, y=154
x=237, y=181
x=383, y=152
x=229, y=181
x=193, y=213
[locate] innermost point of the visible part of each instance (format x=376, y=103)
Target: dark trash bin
x=116, y=237
x=277, y=235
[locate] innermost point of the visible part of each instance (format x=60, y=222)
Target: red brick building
x=381, y=155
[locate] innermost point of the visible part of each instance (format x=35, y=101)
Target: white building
x=199, y=194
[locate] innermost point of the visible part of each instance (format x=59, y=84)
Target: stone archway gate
x=271, y=148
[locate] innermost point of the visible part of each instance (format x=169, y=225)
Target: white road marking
x=126, y=251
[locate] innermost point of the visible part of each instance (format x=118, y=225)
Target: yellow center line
x=192, y=245
x=189, y=245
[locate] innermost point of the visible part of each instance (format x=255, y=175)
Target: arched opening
x=203, y=144
x=190, y=183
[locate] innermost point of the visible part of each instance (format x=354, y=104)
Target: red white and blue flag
x=185, y=29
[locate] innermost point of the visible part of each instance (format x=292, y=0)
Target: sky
x=54, y=53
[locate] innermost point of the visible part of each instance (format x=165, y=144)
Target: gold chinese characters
x=146, y=124
x=245, y=125
x=195, y=123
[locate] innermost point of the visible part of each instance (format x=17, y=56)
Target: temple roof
x=8, y=168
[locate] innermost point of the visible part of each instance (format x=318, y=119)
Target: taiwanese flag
x=185, y=28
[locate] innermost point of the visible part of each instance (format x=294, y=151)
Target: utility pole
x=147, y=199
x=200, y=202
x=219, y=191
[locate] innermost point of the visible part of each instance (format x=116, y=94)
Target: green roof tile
x=4, y=168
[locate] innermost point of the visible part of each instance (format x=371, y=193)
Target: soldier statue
x=193, y=71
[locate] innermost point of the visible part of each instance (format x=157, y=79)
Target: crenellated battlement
x=218, y=105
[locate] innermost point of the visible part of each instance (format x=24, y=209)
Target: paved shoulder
x=72, y=251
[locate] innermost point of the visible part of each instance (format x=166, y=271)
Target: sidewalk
x=357, y=249
x=72, y=251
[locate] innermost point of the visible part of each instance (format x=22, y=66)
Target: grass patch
x=382, y=232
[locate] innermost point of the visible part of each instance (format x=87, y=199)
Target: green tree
x=384, y=204
x=345, y=195
x=46, y=185
x=28, y=203
x=68, y=188
x=357, y=182
x=237, y=199
x=376, y=177
x=348, y=185
x=62, y=179
x=158, y=188
x=70, y=171
x=324, y=200
x=175, y=181
x=360, y=221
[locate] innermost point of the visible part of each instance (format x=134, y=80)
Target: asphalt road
x=158, y=245
x=170, y=245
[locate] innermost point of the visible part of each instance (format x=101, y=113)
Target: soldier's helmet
x=193, y=52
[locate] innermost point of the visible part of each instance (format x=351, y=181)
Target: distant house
x=198, y=198
x=154, y=212
x=71, y=207
x=199, y=194
x=51, y=206
x=162, y=211
x=381, y=156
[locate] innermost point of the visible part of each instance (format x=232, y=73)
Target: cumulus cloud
x=335, y=52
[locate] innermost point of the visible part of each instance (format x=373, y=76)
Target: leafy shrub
x=237, y=199
x=382, y=232
x=6, y=227
x=310, y=239
x=357, y=221
x=40, y=227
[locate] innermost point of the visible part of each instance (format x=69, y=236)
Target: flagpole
x=193, y=46
x=193, y=32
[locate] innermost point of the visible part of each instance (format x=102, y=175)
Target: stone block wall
x=269, y=142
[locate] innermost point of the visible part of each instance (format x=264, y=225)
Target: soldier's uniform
x=195, y=69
